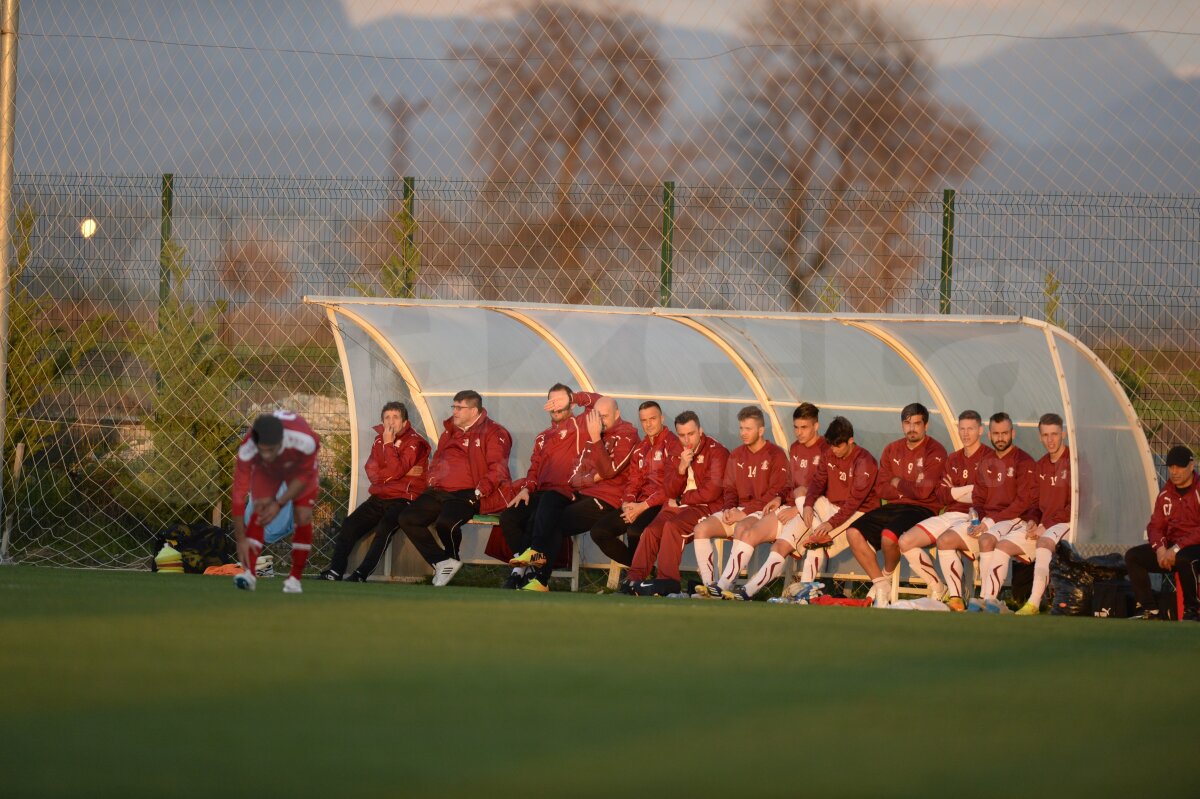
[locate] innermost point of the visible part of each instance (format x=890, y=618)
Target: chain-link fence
x=154, y=316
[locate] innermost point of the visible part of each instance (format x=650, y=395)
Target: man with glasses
x=470, y=463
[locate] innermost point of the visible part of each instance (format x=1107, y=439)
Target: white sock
x=766, y=574
x=814, y=564
x=1041, y=574
x=882, y=584
x=739, y=556
x=704, y=559
x=922, y=566
x=951, y=564
x=995, y=572
x=983, y=567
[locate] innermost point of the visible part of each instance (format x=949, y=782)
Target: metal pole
x=9, y=14
x=947, y=249
x=410, y=213
x=668, y=247
x=164, y=243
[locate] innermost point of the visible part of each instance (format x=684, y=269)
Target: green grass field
x=138, y=684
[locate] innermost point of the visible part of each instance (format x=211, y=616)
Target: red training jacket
x=752, y=479
x=708, y=469
x=557, y=449
x=648, y=467
x=920, y=471
x=476, y=457
x=961, y=468
x=1053, y=505
x=805, y=461
x=1176, y=517
x=847, y=482
x=399, y=470
x=297, y=458
x=604, y=466
x=1005, y=488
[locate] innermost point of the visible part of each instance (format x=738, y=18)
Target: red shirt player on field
x=694, y=482
x=280, y=449
x=910, y=471
x=1174, y=537
x=757, y=482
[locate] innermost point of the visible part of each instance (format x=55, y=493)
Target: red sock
x=301, y=546
x=254, y=542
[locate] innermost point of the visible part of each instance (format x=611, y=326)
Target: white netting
x=789, y=154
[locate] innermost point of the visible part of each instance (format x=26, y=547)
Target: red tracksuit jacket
x=1053, y=505
x=399, y=470
x=1176, y=517
x=920, y=471
x=557, y=449
x=848, y=483
x=752, y=479
x=610, y=459
x=962, y=470
x=648, y=469
x=708, y=467
x=805, y=461
x=473, y=458
x=1005, y=488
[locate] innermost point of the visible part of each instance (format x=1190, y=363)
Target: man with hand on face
x=532, y=523
x=397, y=469
x=695, y=484
x=757, y=482
x=1174, y=538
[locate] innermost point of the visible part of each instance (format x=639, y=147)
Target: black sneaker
x=514, y=581
x=356, y=577
x=627, y=587
x=1191, y=614
x=1147, y=614
x=330, y=575
x=657, y=587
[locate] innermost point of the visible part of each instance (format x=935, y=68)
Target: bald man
x=599, y=480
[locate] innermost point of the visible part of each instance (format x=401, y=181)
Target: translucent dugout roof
x=863, y=367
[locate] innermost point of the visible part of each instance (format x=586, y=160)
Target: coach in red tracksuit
x=695, y=482
x=601, y=477
x=1174, y=537
x=532, y=523
x=468, y=466
x=397, y=469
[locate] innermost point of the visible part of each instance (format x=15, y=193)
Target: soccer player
x=910, y=470
x=645, y=488
x=958, y=483
x=397, y=470
x=599, y=479
x=1005, y=489
x=786, y=525
x=842, y=489
x=694, y=481
x=470, y=462
x=279, y=449
x=1174, y=537
x=757, y=481
x=1048, y=521
x=532, y=521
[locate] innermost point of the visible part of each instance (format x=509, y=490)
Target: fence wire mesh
x=776, y=155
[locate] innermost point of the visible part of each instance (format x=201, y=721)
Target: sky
x=958, y=30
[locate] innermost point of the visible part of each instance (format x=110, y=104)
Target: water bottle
x=974, y=514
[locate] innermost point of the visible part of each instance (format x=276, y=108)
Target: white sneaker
x=292, y=586
x=937, y=592
x=444, y=571
x=245, y=581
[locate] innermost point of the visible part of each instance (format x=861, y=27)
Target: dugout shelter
x=865, y=367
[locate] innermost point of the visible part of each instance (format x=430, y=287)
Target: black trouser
x=537, y=524
x=378, y=515
x=447, y=511
x=578, y=517
x=608, y=529
x=1141, y=561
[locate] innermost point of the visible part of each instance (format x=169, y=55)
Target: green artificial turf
x=139, y=684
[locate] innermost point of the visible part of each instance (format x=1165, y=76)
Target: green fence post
x=164, y=243
x=668, y=247
x=947, y=248
x=410, y=227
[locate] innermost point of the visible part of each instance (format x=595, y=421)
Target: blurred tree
x=845, y=102
x=566, y=91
